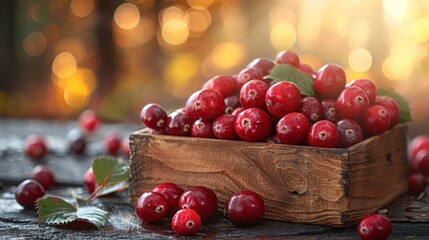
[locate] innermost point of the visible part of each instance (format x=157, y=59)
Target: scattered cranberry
x=153, y=115
x=225, y=85
x=330, y=81
x=35, y=146
x=151, y=207
x=368, y=86
x=43, y=175
x=263, y=65
x=200, y=199
x=237, y=111
x=281, y=98
x=202, y=128
x=245, y=208
x=307, y=69
x=323, y=134
x=252, y=94
x=417, y=183
x=89, y=181
x=76, y=141
x=352, y=103
x=186, y=222
x=248, y=74
x=292, y=128
x=350, y=131
x=223, y=127
x=190, y=112
x=209, y=104
x=288, y=57
x=374, y=226
x=417, y=144
x=421, y=161
x=312, y=109
x=253, y=124
x=376, y=120
x=179, y=124
x=390, y=104
x=28, y=192
x=172, y=193
x=330, y=111
x=112, y=143
x=231, y=103
x=88, y=121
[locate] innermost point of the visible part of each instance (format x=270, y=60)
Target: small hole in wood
x=389, y=157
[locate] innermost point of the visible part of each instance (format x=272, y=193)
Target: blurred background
x=59, y=57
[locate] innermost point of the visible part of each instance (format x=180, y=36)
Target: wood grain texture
x=334, y=187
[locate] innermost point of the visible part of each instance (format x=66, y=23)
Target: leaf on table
x=405, y=115
x=286, y=72
x=112, y=188
x=108, y=170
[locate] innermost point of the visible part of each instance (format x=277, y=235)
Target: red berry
x=368, y=86
x=202, y=128
x=352, y=103
x=35, y=146
x=330, y=81
x=245, y=208
x=200, y=199
x=155, y=131
x=288, y=57
x=421, y=161
x=273, y=139
x=331, y=113
x=312, y=109
x=253, y=124
x=281, y=98
x=307, y=69
x=374, y=227
x=186, y=222
x=252, y=94
x=417, y=183
x=248, y=74
x=209, y=104
x=323, y=133
x=223, y=127
x=237, y=111
x=292, y=128
x=151, y=207
x=190, y=106
x=88, y=121
x=43, y=175
x=112, y=143
x=417, y=144
x=231, y=103
x=28, y=192
x=179, y=124
x=89, y=182
x=376, y=120
x=172, y=193
x=153, y=115
x=76, y=141
x=225, y=85
x=350, y=132
x=263, y=65
x=391, y=105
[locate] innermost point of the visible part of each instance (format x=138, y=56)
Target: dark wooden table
x=409, y=215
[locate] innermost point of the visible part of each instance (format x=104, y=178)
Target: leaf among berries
x=286, y=72
x=404, y=109
x=109, y=171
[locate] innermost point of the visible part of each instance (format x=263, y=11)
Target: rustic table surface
x=409, y=215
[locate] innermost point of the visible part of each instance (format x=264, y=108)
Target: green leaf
x=112, y=188
x=56, y=211
x=108, y=170
x=405, y=115
x=286, y=72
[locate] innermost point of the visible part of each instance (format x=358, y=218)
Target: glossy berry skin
x=172, y=193
x=418, y=143
x=253, y=124
x=35, y=146
x=330, y=81
x=223, y=127
x=237, y=111
x=421, y=162
x=281, y=98
x=288, y=57
x=245, y=208
x=231, y=103
x=186, y=222
x=200, y=199
x=263, y=65
x=89, y=182
x=368, y=86
x=112, y=143
x=28, y=192
x=352, y=103
x=178, y=123
x=189, y=107
x=151, y=207
x=417, y=183
x=331, y=113
x=225, y=85
x=209, y=104
x=43, y=175
x=312, y=109
x=248, y=74
x=391, y=105
x=88, y=121
x=350, y=132
x=376, y=120
x=202, y=129
x=292, y=128
x=307, y=69
x=153, y=115
x=76, y=141
x=374, y=227
x=323, y=133
x=252, y=94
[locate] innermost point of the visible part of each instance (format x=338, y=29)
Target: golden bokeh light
x=72, y=45
x=82, y=8
x=420, y=30
x=127, y=16
x=397, y=68
x=200, y=3
x=283, y=36
x=35, y=44
x=76, y=94
x=234, y=23
x=175, y=32
x=137, y=36
x=198, y=18
x=359, y=33
x=171, y=13
x=395, y=11
x=64, y=65
x=352, y=75
x=360, y=60
x=228, y=54
x=181, y=69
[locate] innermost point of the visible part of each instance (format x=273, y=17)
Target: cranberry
x=225, y=85
x=252, y=94
x=88, y=121
x=376, y=120
x=312, y=109
x=125, y=146
x=35, y=146
x=112, y=143
x=248, y=74
x=89, y=182
x=245, y=208
x=263, y=65
x=153, y=115
x=186, y=222
x=209, y=104
x=293, y=128
x=417, y=183
x=253, y=124
x=151, y=207
x=237, y=111
x=352, y=103
x=76, y=141
x=231, y=103
x=307, y=69
x=330, y=81
x=202, y=128
x=43, y=175
x=179, y=124
x=331, y=113
x=421, y=161
x=190, y=106
x=417, y=144
x=223, y=127
x=350, y=131
x=374, y=226
x=323, y=133
x=368, y=86
x=288, y=57
x=281, y=98
x=200, y=199
x=391, y=105
x=28, y=192
x=172, y=193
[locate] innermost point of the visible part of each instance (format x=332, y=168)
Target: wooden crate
x=334, y=187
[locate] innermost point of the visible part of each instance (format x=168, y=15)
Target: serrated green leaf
x=92, y=214
x=112, y=188
x=286, y=72
x=405, y=115
x=108, y=170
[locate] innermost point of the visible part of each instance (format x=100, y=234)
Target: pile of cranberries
x=251, y=107
x=190, y=208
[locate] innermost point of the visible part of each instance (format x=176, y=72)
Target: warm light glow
x=35, y=44
x=74, y=46
x=127, y=16
x=360, y=60
x=359, y=32
x=175, y=32
x=420, y=30
x=198, y=19
x=395, y=11
x=82, y=8
x=171, y=13
x=229, y=54
x=64, y=65
x=283, y=36
x=137, y=36
x=234, y=22
x=200, y=3
x=397, y=68
x=76, y=94
x=352, y=75
x=181, y=69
